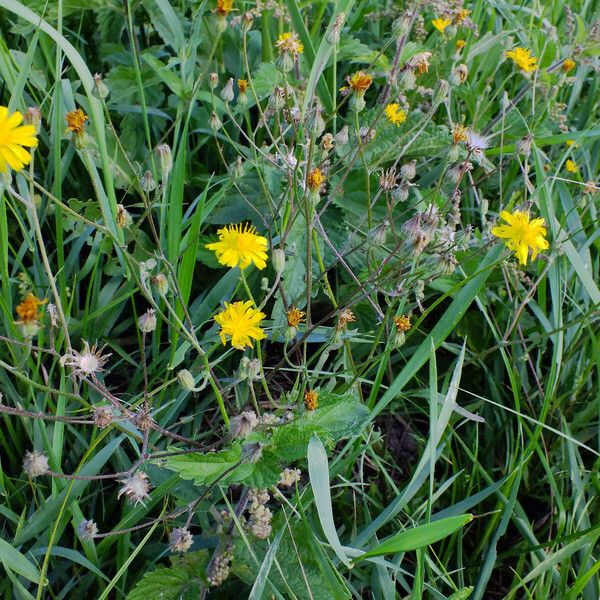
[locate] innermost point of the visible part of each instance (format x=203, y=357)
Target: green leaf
x=17, y=562
x=166, y=583
x=418, y=537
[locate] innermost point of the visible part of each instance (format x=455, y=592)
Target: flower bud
x=264, y=284
x=147, y=182
x=524, y=145
x=460, y=74
x=160, y=283
x=278, y=259
x=440, y=92
x=341, y=138
x=247, y=21
x=165, y=159
x=147, y=322
x=236, y=169
x=215, y=122
x=100, y=89
x=409, y=170
x=401, y=26
x=408, y=80
x=357, y=103
x=227, y=92
x=285, y=62
x=33, y=116
x=400, y=193
x=124, y=219
x=213, y=81
x=86, y=530
x=186, y=379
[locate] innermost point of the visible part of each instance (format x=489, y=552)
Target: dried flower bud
x=247, y=21
x=213, y=81
x=186, y=379
x=124, y=219
x=243, y=424
x=33, y=116
x=278, y=260
x=135, y=487
x=160, y=283
x=86, y=530
x=249, y=369
x=143, y=420
x=35, y=464
x=400, y=193
x=147, y=182
x=147, y=322
x=103, y=416
x=327, y=142
x=524, y=145
x=460, y=74
x=227, y=92
x=214, y=121
x=180, y=540
x=409, y=170
x=165, y=159
x=100, y=89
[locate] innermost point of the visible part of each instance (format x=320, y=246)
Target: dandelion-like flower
x=359, y=83
x=14, y=138
x=461, y=15
x=459, y=134
x=76, y=121
x=316, y=179
x=568, y=65
x=440, y=24
x=311, y=400
x=402, y=323
x=523, y=58
x=239, y=245
x=240, y=322
x=136, y=487
x=242, y=85
x=88, y=362
x=224, y=7
x=460, y=44
x=295, y=317
x=522, y=234
x=395, y=115
x=289, y=42
x=571, y=166
x=28, y=310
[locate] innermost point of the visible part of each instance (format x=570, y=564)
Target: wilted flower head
x=165, y=159
x=243, y=424
x=388, y=179
x=103, y=416
x=476, y=143
x=100, y=89
x=76, y=121
x=409, y=170
x=289, y=43
x=316, y=179
x=124, y=219
x=359, y=83
x=180, y=539
x=147, y=322
x=35, y=464
x=224, y=7
x=88, y=362
x=87, y=529
x=135, y=487
x=295, y=316
x=33, y=116
x=311, y=400
x=346, y=316
x=460, y=73
x=28, y=309
x=419, y=62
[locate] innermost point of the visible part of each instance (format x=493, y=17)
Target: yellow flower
x=295, y=316
x=240, y=323
x=242, y=85
x=13, y=136
x=521, y=234
x=461, y=15
x=360, y=82
x=568, y=64
x=569, y=143
x=459, y=134
x=310, y=400
x=76, y=120
x=316, y=179
x=402, y=323
x=460, y=44
x=395, y=114
x=289, y=42
x=441, y=24
x=523, y=59
x=239, y=245
x=224, y=7
x=571, y=166
x=28, y=309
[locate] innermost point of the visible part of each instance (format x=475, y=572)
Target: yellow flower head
x=242, y=85
x=240, y=322
x=571, y=166
x=239, y=245
x=360, y=82
x=76, y=120
x=460, y=44
x=402, y=323
x=523, y=59
x=461, y=15
x=310, y=400
x=28, y=309
x=224, y=7
x=289, y=42
x=441, y=24
x=13, y=136
x=568, y=64
x=395, y=114
x=316, y=179
x=522, y=234
x=459, y=134
x=569, y=143
x=295, y=316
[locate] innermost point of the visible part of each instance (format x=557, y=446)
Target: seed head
x=180, y=539
x=243, y=424
x=103, y=416
x=35, y=464
x=135, y=487
x=147, y=322
x=86, y=530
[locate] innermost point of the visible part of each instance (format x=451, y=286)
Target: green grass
x=458, y=459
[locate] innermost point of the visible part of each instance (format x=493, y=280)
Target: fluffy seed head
x=35, y=464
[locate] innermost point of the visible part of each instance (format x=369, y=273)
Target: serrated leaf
x=166, y=583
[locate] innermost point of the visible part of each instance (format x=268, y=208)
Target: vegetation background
x=458, y=448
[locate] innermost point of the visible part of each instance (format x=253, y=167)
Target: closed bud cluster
x=289, y=477
x=409, y=170
x=278, y=260
x=135, y=488
x=260, y=516
x=103, y=416
x=218, y=570
x=160, y=283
